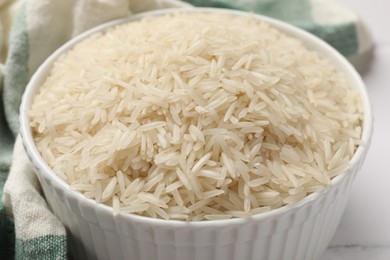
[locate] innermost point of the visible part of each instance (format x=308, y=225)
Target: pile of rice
x=195, y=117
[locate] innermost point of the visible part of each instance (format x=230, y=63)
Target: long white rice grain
x=135, y=208
x=227, y=163
x=147, y=197
x=178, y=199
x=199, y=164
x=109, y=189
x=151, y=125
x=217, y=216
x=115, y=205
x=258, y=182
x=199, y=204
x=212, y=193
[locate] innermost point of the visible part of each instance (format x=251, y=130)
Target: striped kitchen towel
x=30, y=30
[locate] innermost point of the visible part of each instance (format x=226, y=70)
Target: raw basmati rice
x=195, y=117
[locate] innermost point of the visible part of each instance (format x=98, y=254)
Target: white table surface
x=364, y=231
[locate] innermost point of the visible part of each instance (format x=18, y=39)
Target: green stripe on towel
x=42, y=248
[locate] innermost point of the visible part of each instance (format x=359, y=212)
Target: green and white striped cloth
x=30, y=30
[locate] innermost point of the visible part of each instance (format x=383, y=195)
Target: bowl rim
x=310, y=41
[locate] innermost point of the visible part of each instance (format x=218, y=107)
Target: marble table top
x=364, y=231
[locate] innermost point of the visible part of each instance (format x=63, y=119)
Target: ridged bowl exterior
x=298, y=232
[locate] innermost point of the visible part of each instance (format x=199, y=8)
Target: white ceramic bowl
x=300, y=231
